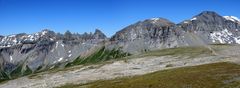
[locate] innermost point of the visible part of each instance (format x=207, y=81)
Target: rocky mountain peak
x=47, y=33
x=213, y=28
x=158, y=21
x=47, y=36
x=206, y=21
x=1, y=36
x=99, y=34
x=23, y=38
x=209, y=17
x=205, y=17
x=148, y=28
x=206, y=13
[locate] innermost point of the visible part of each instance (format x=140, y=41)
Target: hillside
x=214, y=75
x=129, y=66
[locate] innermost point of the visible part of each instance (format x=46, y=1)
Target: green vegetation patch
x=3, y=76
x=20, y=70
x=181, y=51
x=101, y=55
x=217, y=75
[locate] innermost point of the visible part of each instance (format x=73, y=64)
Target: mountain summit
x=149, y=28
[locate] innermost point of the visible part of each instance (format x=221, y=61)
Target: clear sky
x=110, y=16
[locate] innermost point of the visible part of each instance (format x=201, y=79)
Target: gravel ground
x=131, y=67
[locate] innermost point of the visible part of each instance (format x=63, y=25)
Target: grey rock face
x=213, y=28
x=99, y=35
x=155, y=33
x=46, y=49
x=150, y=28
x=22, y=38
x=208, y=21
x=1, y=37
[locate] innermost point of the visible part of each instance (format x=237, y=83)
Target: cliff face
x=146, y=35
x=150, y=28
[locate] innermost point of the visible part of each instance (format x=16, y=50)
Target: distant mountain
x=99, y=34
x=147, y=35
x=205, y=28
x=47, y=49
x=213, y=28
x=47, y=35
x=150, y=28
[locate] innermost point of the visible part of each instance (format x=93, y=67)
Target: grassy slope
x=99, y=56
x=215, y=75
x=186, y=51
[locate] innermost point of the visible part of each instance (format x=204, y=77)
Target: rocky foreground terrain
x=131, y=66
x=49, y=59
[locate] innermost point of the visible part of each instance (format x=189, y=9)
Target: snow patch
x=11, y=58
x=31, y=37
x=62, y=45
x=60, y=59
x=185, y=22
x=69, y=51
x=36, y=34
x=44, y=32
x=52, y=50
x=15, y=41
x=56, y=44
x=232, y=18
x=237, y=40
x=51, y=39
x=69, y=55
x=194, y=19
x=154, y=20
x=223, y=36
x=8, y=45
x=12, y=36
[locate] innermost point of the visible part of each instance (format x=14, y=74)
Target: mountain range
x=47, y=49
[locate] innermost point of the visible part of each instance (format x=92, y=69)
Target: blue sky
x=110, y=16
